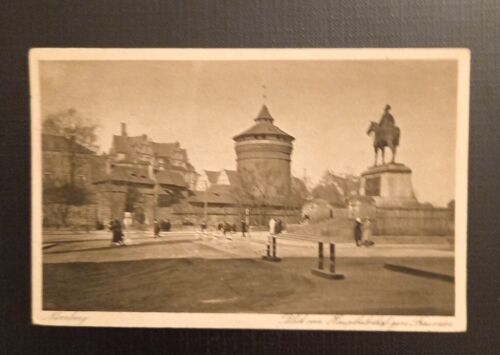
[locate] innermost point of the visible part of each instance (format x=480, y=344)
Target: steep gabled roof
x=164, y=149
x=54, y=143
x=128, y=174
x=123, y=144
x=212, y=176
x=216, y=195
x=166, y=177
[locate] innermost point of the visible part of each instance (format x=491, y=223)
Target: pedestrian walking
x=156, y=227
x=116, y=229
x=358, y=232
x=227, y=230
x=203, y=226
x=243, y=227
x=167, y=226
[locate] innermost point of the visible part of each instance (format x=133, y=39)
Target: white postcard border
x=455, y=323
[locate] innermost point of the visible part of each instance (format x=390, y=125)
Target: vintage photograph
x=236, y=188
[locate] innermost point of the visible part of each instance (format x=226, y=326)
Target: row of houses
x=156, y=180
x=149, y=179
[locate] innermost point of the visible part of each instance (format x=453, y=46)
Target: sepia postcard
x=311, y=189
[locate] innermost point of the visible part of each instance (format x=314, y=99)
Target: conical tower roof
x=264, y=115
x=264, y=126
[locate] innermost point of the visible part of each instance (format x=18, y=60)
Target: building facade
x=136, y=150
x=143, y=177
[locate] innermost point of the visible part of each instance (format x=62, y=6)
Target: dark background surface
x=273, y=23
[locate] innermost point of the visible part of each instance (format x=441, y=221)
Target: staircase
x=338, y=230
x=341, y=230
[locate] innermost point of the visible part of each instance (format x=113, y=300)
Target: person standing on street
x=168, y=225
x=272, y=226
x=358, y=233
x=116, y=229
x=279, y=226
x=156, y=227
x=243, y=227
x=226, y=229
x=203, y=226
x=272, y=230
x=367, y=233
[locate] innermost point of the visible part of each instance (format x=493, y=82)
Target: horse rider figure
x=387, y=134
x=387, y=120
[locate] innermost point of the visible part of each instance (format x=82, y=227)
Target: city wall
x=413, y=221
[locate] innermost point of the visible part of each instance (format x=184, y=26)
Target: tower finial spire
x=264, y=95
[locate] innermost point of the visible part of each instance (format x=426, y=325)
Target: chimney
x=124, y=129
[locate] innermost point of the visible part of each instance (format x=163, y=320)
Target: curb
x=419, y=272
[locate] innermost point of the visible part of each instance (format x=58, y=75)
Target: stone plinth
x=389, y=185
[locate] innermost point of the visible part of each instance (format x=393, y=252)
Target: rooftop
x=264, y=126
x=124, y=144
x=166, y=177
x=128, y=174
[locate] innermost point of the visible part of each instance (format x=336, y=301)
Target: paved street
x=195, y=272
x=95, y=247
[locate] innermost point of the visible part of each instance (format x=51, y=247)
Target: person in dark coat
x=227, y=230
x=116, y=228
x=168, y=225
x=203, y=226
x=156, y=227
x=358, y=232
x=279, y=226
x=243, y=227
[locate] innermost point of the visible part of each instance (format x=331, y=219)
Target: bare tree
x=63, y=192
x=337, y=190
x=256, y=188
x=72, y=124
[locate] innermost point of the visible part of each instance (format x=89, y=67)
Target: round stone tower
x=263, y=158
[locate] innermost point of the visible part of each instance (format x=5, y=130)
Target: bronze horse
x=384, y=137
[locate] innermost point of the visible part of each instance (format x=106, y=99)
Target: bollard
x=320, y=255
x=332, y=258
x=328, y=274
x=272, y=257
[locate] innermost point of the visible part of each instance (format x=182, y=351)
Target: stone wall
x=232, y=215
x=111, y=203
x=79, y=217
x=265, y=163
x=413, y=221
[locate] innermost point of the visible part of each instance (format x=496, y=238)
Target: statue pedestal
x=389, y=185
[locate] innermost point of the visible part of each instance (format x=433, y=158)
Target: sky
x=326, y=105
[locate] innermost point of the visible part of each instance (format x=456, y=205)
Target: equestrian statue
x=387, y=134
